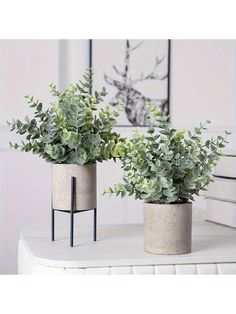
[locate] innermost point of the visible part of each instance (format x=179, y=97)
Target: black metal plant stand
x=73, y=211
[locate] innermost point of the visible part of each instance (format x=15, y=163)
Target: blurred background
x=200, y=86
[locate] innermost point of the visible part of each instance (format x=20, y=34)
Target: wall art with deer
x=134, y=72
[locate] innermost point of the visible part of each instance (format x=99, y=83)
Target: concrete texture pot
x=86, y=191
x=168, y=228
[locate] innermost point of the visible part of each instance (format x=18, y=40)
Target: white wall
x=203, y=80
x=202, y=86
x=27, y=67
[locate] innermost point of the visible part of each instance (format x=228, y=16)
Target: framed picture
x=134, y=72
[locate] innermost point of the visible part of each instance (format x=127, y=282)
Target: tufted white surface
x=27, y=265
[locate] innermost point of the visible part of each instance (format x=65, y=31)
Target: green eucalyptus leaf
x=78, y=157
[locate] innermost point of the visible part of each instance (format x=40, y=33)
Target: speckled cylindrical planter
x=86, y=192
x=168, y=228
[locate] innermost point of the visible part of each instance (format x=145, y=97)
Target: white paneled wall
x=73, y=59
x=202, y=86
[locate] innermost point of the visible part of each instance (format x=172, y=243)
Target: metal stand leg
x=73, y=211
x=73, y=206
x=53, y=225
x=71, y=229
x=95, y=224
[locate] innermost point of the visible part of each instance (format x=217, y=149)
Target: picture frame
x=133, y=72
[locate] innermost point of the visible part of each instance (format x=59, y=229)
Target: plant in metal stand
x=73, y=133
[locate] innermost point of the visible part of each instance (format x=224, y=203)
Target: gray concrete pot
x=86, y=191
x=168, y=228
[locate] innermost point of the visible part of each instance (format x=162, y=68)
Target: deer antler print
x=152, y=75
x=134, y=101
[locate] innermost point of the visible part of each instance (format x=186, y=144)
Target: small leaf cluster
x=167, y=165
x=73, y=129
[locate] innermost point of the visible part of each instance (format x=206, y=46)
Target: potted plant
x=165, y=168
x=73, y=135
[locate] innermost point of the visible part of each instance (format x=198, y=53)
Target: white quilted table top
x=122, y=245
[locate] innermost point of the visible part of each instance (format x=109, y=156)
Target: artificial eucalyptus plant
x=167, y=165
x=72, y=130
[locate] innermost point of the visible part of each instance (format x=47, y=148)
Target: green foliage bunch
x=72, y=130
x=167, y=165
